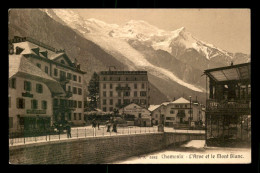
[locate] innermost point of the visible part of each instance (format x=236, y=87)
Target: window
x=156, y=115
x=142, y=93
x=111, y=86
x=20, y=103
x=142, y=101
x=180, y=106
x=111, y=109
x=104, y=78
x=27, y=86
x=126, y=78
x=111, y=93
x=38, y=65
x=74, y=78
x=44, y=104
x=136, y=101
x=185, y=106
x=79, y=104
x=111, y=101
x=62, y=74
x=39, y=88
x=79, y=116
x=190, y=111
x=171, y=111
x=79, y=91
x=142, y=85
x=10, y=122
x=9, y=102
x=68, y=75
x=13, y=83
x=34, y=104
x=55, y=102
x=104, y=101
x=69, y=88
x=75, y=116
x=127, y=93
x=119, y=101
x=75, y=104
x=46, y=69
x=104, y=86
x=126, y=101
x=110, y=78
x=62, y=61
x=69, y=116
x=104, y=93
x=118, y=78
x=74, y=90
x=119, y=94
x=135, y=86
x=170, y=118
x=55, y=72
x=79, y=79
x=177, y=106
x=104, y=109
x=135, y=93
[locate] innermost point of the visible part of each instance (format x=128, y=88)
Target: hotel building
x=120, y=88
x=58, y=66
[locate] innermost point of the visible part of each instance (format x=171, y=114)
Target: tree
x=93, y=89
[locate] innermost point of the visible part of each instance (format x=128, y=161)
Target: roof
x=22, y=67
x=230, y=73
x=181, y=100
x=153, y=107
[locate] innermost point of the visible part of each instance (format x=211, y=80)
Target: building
x=228, y=105
x=57, y=65
x=120, y=88
x=155, y=114
x=30, y=96
x=178, y=113
x=142, y=115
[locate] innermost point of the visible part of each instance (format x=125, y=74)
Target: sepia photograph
x=129, y=86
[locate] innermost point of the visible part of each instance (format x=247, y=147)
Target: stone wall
x=94, y=150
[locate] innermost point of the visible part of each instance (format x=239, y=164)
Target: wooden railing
x=227, y=106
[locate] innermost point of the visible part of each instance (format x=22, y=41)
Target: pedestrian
x=68, y=131
x=108, y=126
x=94, y=123
x=114, y=127
x=98, y=124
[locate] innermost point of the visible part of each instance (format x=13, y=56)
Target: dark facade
x=228, y=106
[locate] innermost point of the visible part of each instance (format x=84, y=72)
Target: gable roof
x=22, y=67
x=181, y=100
x=153, y=107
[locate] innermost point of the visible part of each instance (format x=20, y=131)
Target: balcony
x=228, y=107
x=63, y=79
x=181, y=114
x=122, y=88
x=68, y=94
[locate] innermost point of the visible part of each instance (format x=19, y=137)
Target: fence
x=81, y=132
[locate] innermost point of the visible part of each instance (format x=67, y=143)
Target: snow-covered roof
x=181, y=100
x=153, y=107
x=20, y=66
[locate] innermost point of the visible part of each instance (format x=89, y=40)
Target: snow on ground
x=193, y=153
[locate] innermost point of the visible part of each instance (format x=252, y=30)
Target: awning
x=237, y=72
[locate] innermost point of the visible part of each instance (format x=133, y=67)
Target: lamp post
x=190, y=111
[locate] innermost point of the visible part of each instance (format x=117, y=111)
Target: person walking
x=114, y=127
x=68, y=131
x=98, y=124
x=108, y=126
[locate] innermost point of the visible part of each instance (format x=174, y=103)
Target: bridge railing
x=80, y=132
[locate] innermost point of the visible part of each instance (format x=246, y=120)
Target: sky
x=228, y=29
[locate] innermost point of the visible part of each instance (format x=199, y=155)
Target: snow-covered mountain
x=182, y=48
